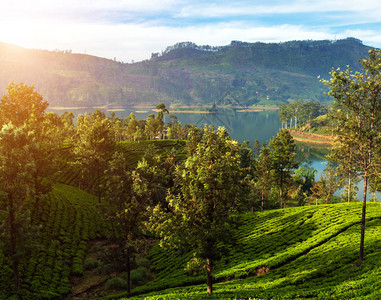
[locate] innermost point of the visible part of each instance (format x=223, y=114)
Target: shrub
x=139, y=275
x=142, y=262
x=116, y=283
x=91, y=264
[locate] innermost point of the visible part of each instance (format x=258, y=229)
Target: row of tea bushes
x=302, y=249
x=68, y=220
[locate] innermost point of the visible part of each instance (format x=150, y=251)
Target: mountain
x=185, y=73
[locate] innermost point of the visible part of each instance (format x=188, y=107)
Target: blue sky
x=130, y=30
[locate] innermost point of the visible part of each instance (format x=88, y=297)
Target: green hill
x=303, y=252
x=184, y=73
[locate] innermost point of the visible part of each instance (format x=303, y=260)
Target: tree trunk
x=262, y=201
x=349, y=188
x=12, y=240
x=128, y=272
x=281, y=190
x=98, y=183
x=361, y=254
x=36, y=211
x=209, y=276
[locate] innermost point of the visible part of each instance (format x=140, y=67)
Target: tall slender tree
x=93, y=146
x=264, y=174
x=283, y=153
x=25, y=158
x=125, y=209
x=16, y=168
x=359, y=125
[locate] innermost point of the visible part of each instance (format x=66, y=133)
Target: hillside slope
x=184, y=73
x=303, y=252
x=68, y=220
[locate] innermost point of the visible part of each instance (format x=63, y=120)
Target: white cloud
x=237, y=8
x=132, y=30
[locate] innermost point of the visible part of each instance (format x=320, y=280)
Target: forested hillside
x=184, y=73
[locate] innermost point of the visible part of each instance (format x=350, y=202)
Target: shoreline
x=173, y=109
x=311, y=138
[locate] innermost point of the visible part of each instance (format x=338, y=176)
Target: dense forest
x=145, y=206
x=254, y=73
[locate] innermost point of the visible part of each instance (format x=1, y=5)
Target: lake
x=242, y=126
x=261, y=125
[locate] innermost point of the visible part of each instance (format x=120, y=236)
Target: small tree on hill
x=283, y=153
x=20, y=103
x=132, y=126
x=207, y=193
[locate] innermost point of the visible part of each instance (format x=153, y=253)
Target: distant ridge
x=185, y=73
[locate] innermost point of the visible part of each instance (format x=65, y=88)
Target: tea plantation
x=294, y=253
x=68, y=220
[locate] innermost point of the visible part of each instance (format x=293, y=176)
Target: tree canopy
x=208, y=190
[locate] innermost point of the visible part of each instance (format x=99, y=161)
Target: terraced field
x=68, y=220
x=303, y=252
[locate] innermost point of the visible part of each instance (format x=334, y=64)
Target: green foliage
x=93, y=146
x=116, y=283
x=264, y=175
x=139, y=276
x=134, y=151
x=358, y=135
x=91, y=264
x=208, y=191
x=283, y=153
x=357, y=113
x=20, y=104
x=301, y=113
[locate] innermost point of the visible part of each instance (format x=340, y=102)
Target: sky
x=131, y=30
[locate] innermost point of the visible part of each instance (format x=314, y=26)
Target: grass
x=309, y=252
